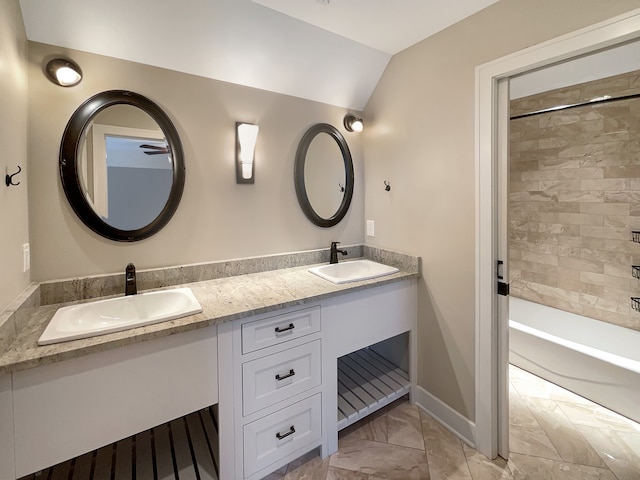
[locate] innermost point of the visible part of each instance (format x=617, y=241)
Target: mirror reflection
x=324, y=175
x=126, y=167
x=122, y=165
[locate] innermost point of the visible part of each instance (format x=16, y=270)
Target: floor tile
x=335, y=473
x=444, y=451
x=519, y=413
x=592, y=415
x=379, y=459
x=482, y=468
x=531, y=441
x=621, y=460
x=565, y=437
x=404, y=427
x=531, y=385
x=308, y=467
x=525, y=467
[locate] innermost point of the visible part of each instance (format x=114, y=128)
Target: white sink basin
x=117, y=314
x=353, y=271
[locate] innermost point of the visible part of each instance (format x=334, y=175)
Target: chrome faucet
x=334, y=252
x=131, y=287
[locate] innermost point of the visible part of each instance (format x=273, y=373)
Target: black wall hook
x=8, y=179
x=387, y=185
x=341, y=187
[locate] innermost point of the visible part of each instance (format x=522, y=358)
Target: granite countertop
x=222, y=300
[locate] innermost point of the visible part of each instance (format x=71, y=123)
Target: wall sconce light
x=63, y=72
x=246, y=136
x=353, y=124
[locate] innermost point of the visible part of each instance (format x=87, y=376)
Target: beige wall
x=573, y=200
x=217, y=219
x=420, y=137
x=13, y=140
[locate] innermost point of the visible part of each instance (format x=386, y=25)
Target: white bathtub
x=594, y=359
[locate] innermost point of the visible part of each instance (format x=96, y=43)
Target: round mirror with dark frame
x=122, y=166
x=323, y=175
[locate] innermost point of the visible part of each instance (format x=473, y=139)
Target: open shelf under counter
x=367, y=382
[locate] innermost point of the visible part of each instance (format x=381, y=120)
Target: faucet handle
x=334, y=244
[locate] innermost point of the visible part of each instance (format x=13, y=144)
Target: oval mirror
x=323, y=175
x=122, y=166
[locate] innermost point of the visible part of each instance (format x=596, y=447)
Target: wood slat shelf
x=185, y=448
x=366, y=383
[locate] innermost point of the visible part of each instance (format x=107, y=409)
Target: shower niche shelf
x=366, y=383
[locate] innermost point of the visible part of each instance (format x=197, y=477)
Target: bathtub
x=594, y=359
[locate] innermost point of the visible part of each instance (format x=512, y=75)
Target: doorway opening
x=491, y=128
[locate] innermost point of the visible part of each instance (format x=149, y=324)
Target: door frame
x=490, y=344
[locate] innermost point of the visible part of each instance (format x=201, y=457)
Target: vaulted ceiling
x=331, y=51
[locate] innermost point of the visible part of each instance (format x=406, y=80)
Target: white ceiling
x=332, y=53
x=386, y=25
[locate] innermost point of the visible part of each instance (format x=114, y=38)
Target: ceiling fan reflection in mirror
x=156, y=149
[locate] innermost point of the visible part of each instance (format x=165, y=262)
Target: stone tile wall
x=574, y=198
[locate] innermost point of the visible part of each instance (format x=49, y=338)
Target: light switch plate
x=370, y=228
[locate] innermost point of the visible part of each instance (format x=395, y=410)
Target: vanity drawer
x=276, y=377
x=280, y=328
x=277, y=435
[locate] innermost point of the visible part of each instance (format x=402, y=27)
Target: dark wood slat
x=123, y=469
x=211, y=431
x=163, y=453
x=144, y=456
x=182, y=452
x=186, y=448
x=82, y=467
x=202, y=454
x=61, y=471
x=102, y=469
x=214, y=411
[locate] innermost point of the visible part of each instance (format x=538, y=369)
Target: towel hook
x=387, y=185
x=341, y=187
x=8, y=179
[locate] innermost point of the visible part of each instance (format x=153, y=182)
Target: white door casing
x=490, y=344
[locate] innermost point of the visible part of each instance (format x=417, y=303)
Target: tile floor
x=554, y=434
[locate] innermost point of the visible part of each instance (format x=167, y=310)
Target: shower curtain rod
x=575, y=105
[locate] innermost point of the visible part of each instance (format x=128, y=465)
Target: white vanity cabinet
x=271, y=394
x=7, y=469
x=278, y=374
x=71, y=407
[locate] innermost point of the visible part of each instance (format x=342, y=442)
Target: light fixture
x=246, y=136
x=353, y=123
x=63, y=72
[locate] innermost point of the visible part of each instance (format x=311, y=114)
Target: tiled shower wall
x=574, y=198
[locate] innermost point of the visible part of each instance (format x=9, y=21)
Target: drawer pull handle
x=291, y=431
x=286, y=375
x=285, y=329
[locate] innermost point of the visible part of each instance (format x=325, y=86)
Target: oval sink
x=352, y=271
x=117, y=314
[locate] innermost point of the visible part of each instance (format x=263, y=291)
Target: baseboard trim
x=453, y=421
